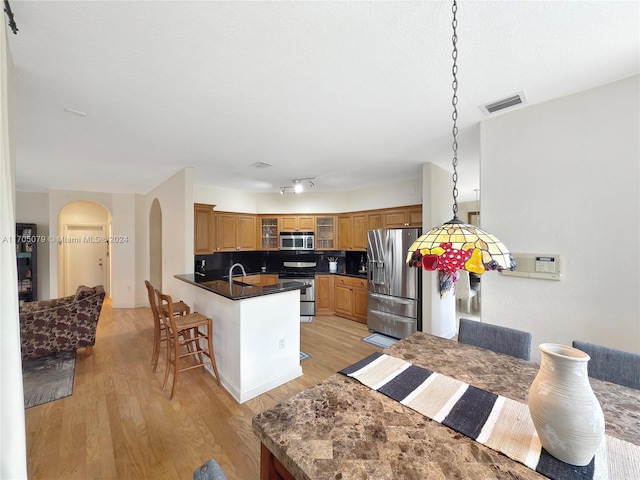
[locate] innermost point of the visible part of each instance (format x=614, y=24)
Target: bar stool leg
x=212, y=356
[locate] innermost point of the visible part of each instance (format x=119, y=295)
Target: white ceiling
x=355, y=94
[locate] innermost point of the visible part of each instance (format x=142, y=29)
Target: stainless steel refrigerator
x=393, y=305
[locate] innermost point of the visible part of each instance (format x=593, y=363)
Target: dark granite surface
x=236, y=290
x=343, y=429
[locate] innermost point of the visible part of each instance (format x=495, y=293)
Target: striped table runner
x=492, y=420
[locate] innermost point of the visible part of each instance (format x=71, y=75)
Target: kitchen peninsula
x=256, y=332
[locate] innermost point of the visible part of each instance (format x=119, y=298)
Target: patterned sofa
x=61, y=324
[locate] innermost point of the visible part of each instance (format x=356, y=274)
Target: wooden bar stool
x=159, y=333
x=186, y=331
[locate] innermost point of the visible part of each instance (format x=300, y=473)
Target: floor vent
x=508, y=102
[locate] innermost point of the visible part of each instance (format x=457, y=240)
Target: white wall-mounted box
x=546, y=266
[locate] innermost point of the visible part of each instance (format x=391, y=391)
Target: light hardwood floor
x=120, y=424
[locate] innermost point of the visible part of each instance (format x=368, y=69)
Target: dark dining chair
x=210, y=470
x=612, y=365
x=494, y=337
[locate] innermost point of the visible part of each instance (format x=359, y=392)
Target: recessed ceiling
x=354, y=94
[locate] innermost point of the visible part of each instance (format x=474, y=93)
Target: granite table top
x=341, y=429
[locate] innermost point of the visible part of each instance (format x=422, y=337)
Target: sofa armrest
x=45, y=304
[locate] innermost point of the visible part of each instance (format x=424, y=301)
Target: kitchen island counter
x=256, y=331
x=236, y=290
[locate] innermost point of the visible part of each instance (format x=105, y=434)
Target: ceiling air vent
x=508, y=102
x=261, y=165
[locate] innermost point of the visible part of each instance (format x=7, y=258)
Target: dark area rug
x=48, y=378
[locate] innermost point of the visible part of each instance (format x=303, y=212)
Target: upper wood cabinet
x=268, y=233
x=352, y=231
x=204, y=223
x=228, y=231
x=345, y=226
x=236, y=231
x=297, y=223
x=403, y=217
x=359, y=231
x=326, y=232
x=374, y=220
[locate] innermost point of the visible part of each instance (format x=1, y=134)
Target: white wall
x=142, y=209
x=33, y=207
x=438, y=313
x=176, y=199
x=123, y=274
x=391, y=195
x=225, y=199
x=122, y=209
x=563, y=177
x=13, y=459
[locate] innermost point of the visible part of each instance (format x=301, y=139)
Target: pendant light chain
x=454, y=115
x=456, y=245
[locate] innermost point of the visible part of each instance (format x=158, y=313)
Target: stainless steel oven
x=302, y=272
x=297, y=241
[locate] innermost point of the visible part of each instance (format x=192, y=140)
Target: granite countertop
x=344, y=274
x=343, y=429
x=236, y=290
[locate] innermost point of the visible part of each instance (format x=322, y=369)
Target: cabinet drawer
x=351, y=281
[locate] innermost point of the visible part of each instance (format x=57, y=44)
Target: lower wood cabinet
x=351, y=298
x=260, y=279
x=360, y=296
x=268, y=279
x=325, y=295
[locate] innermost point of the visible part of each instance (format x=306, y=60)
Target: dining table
x=343, y=429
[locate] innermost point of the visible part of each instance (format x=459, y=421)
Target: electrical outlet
x=281, y=343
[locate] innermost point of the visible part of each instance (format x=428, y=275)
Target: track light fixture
x=297, y=186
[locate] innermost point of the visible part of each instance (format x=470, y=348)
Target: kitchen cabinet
x=352, y=231
x=324, y=295
x=268, y=279
x=359, y=231
x=236, y=231
x=351, y=298
x=403, y=217
x=297, y=223
x=345, y=225
x=268, y=235
x=326, y=238
x=204, y=222
x=249, y=279
x=374, y=221
x=259, y=279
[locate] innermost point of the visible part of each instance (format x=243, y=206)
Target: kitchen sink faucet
x=231, y=271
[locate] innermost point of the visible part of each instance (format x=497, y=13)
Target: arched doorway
x=83, y=248
x=155, y=244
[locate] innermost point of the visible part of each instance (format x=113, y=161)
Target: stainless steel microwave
x=297, y=241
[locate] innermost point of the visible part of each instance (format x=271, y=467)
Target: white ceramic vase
x=563, y=407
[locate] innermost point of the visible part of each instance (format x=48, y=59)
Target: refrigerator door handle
x=403, y=301
x=376, y=269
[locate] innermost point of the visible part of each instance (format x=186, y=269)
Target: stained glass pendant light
x=456, y=245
